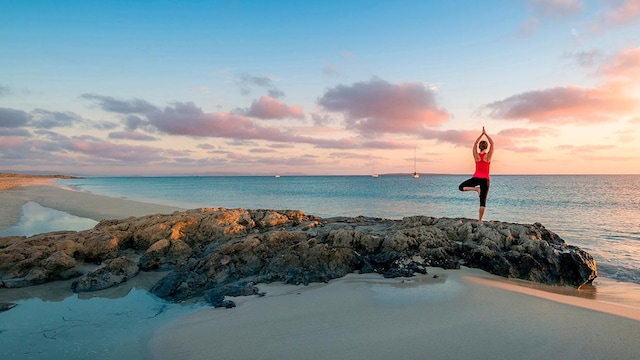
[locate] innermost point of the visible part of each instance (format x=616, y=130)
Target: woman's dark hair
x=483, y=145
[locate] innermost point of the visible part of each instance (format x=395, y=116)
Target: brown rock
x=111, y=273
x=210, y=249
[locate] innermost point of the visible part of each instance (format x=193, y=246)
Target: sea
x=599, y=213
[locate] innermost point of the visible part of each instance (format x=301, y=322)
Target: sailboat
x=373, y=170
x=415, y=173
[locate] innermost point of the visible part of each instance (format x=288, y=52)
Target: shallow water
x=37, y=219
x=415, y=292
x=51, y=323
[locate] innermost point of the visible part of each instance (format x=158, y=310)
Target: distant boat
x=277, y=175
x=373, y=170
x=415, y=173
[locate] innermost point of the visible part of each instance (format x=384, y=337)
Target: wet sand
x=17, y=190
x=464, y=314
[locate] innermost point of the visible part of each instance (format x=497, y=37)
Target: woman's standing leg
x=484, y=191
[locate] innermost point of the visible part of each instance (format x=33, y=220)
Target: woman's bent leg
x=469, y=185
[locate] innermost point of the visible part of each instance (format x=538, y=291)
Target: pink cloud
x=619, y=13
x=269, y=108
x=206, y=146
x=262, y=150
x=282, y=146
x=48, y=148
x=11, y=141
x=570, y=104
x=187, y=119
x=98, y=148
x=376, y=107
x=624, y=65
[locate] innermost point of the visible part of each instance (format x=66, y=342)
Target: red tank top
x=482, y=168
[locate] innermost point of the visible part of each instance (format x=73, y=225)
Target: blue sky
x=192, y=87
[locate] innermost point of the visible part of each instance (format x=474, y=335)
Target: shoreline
x=17, y=190
x=463, y=312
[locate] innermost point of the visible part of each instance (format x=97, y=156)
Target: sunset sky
x=319, y=87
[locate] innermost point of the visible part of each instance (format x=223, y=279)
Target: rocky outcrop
x=110, y=273
x=6, y=306
x=216, y=252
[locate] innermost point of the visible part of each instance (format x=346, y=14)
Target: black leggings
x=484, y=188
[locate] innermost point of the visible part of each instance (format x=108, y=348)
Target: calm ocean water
x=601, y=214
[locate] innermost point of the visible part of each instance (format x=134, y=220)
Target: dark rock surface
x=4, y=306
x=110, y=273
x=217, y=252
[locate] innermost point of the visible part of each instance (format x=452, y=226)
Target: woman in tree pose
x=479, y=182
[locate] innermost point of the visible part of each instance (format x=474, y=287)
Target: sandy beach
x=457, y=314
x=16, y=190
x=463, y=314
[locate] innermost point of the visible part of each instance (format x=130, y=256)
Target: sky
x=344, y=87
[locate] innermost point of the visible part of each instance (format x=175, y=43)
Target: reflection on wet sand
x=37, y=219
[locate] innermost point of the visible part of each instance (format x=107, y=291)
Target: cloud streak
x=187, y=119
x=10, y=118
x=569, y=104
x=247, y=82
x=111, y=104
x=624, y=66
x=608, y=101
x=38, y=118
x=619, y=13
